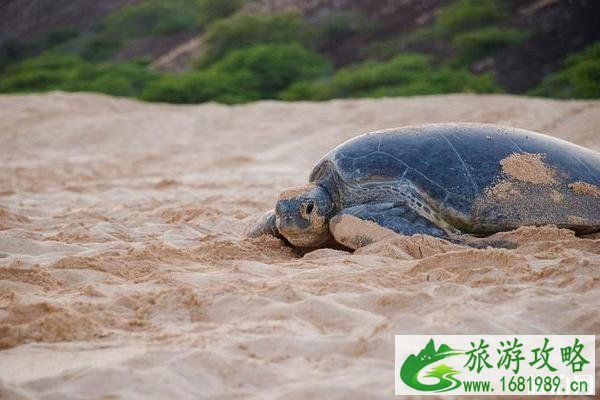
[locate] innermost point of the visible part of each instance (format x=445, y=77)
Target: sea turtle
x=452, y=181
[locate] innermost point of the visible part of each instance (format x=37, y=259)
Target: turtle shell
x=477, y=178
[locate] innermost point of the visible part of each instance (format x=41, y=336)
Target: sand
x=585, y=188
x=125, y=272
x=528, y=167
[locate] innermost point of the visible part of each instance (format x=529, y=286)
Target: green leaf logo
x=409, y=372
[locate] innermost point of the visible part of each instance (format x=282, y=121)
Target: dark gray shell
x=456, y=170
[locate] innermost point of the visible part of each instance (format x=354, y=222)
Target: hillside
x=516, y=42
x=557, y=28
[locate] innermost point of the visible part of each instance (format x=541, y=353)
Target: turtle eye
x=307, y=208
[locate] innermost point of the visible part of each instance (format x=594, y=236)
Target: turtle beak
x=289, y=219
x=291, y=224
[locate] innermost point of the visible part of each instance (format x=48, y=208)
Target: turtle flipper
x=266, y=226
x=360, y=225
x=397, y=217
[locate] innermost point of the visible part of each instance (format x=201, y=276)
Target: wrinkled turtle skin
x=451, y=179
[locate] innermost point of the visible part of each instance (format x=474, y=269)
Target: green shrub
x=143, y=19
x=51, y=71
x=444, y=80
x=201, y=86
x=309, y=90
x=579, y=78
x=242, y=31
x=372, y=74
x=258, y=72
x=151, y=17
x=122, y=79
x=466, y=15
x=273, y=67
x=474, y=45
x=406, y=74
x=41, y=73
x=100, y=47
x=474, y=28
x=13, y=51
x=383, y=49
x=57, y=36
x=212, y=10
x=338, y=26
x=457, y=17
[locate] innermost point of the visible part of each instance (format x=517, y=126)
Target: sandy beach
x=125, y=271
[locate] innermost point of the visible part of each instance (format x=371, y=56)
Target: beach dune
x=125, y=271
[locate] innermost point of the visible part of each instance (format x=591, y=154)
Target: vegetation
x=13, y=51
x=468, y=15
x=213, y=10
x=274, y=67
x=242, y=31
x=199, y=87
x=472, y=29
x=55, y=37
x=100, y=48
x=247, y=57
x=579, y=79
x=147, y=18
x=258, y=72
x=51, y=71
x=405, y=75
x=337, y=26
x=475, y=45
x=151, y=17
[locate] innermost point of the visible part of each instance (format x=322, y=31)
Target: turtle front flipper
x=266, y=226
x=358, y=226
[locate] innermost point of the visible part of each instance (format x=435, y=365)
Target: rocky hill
x=544, y=32
x=29, y=20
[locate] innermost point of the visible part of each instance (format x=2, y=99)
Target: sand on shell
x=528, y=167
x=125, y=273
x=584, y=188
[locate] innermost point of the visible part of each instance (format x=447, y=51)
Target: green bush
x=202, y=86
x=212, y=10
x=383, y=49
x=242, y=31
x=372, y=74
x=100, y=47
x=579, y=78
x=406, y=74
x=146, y=18
x=51, y=71
x=151, y=17
x=474, y=45
x=466, y=15
x=13, y=51
x=309, y=90
x=41, y=73
x=122, y=79
x=473, y=27
x=338, y=26
x=273, y=67
x=258, y=72
x=58, y=36
x=444, y=80
x=457, y=17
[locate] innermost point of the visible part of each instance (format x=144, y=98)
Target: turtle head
x=303, y=215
